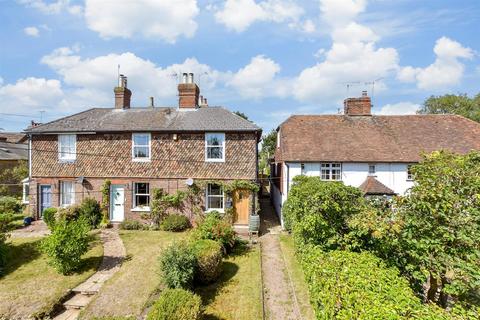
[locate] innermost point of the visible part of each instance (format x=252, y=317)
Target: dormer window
x=215, y=147
x=67, y=147
x=372, y=169
x=141, y=146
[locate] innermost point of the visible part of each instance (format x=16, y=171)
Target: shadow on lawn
x=20, y=254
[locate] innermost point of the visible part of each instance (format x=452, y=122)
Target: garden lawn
x=131, y=289
x=298, y=278
x=238, y=293
x=31, y=286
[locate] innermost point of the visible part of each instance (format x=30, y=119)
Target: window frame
x=330, y=167
x=409, y=173
x=62, y=193
x=223, y=146
x=142, y=159
x=370, y=173
x=207, y=196
x=25, y=194
x=71, y=156
x=135, y=206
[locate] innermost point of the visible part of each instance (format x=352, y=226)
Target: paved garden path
x=279, y=295
x=113, y=255
x=36, y=229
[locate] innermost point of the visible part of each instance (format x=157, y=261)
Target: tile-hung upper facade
x=139, y=149
x=373, y=153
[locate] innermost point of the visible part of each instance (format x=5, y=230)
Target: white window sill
x=141, y=160
x=25, y=202
x=141, y=209
x=66, y=160
x=214, y=160
x=218, y=210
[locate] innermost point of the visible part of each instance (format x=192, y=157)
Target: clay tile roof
x=345, y=138
x=373, y=186
x=148, y=119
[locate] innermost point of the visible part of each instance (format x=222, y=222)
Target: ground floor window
x=141, y=194
x=67, y=193
x=26, y=192
x=331, y=171
x=214, y=197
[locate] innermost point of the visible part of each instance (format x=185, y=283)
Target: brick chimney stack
x=358, y=106
x=122, y=94
x=188, y=92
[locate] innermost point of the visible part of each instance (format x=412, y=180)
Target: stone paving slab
x=78, y=301
x=71, y=314
x=36, y=229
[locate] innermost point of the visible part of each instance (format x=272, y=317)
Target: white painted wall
x=393, y=175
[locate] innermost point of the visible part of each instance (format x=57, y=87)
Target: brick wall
x=109, y=155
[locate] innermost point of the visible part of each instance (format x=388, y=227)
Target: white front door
x=117, y=201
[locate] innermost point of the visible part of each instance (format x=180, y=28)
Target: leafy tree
x=269, y=143
x=439, y=240
x=453, y=104
x=241, y=114
x=12, y=176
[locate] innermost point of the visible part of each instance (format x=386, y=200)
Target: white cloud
x=446, y=71
x=401, y=108
x=31, y=31
x=257, y=79
x=166, y=20
x=30, y=94
x=238, y=15
x=54, y=7
x=353, y=56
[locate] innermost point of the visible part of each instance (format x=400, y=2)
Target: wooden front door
x=241, y=202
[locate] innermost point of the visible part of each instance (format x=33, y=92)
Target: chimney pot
x=364, y=93
x=190, y=78
x=184, y=77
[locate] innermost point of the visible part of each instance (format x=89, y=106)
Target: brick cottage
x=139, y=149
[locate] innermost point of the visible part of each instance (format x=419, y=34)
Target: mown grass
x=130, y=290
x=298, y=279
x=237, y=294
x=31, y=286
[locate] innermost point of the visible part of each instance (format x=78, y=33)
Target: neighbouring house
x=13, y=151
x=372, y=152
x=139, y=149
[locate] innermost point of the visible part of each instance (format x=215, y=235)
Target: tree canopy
x=460, y=104
x=269, y=143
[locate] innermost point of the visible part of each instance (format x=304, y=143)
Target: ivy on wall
x=105, y=204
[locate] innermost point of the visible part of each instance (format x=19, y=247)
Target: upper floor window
x=141, y=146
x=215, y=147
x=409, y=172
x=331, y=171
x=215, y=197
x=67, y=147
x=371, y=169
x=67, y=193
x=141, y=195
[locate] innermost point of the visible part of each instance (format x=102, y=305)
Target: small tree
x=440, y=236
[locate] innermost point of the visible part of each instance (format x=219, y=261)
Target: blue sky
x=268, y=59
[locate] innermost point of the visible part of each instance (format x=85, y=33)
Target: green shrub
x=5, y=220
x=10, y=205
x=175, y=222
x=91, y=211
x=49, y=217
x=3, y=252
x=318, y=211
x=177, y=265
x=209, y=260
x=176, y=304
x=215, y=227
x=69, y=213
x=66, y=245
x=349, y=285
x=131, y=224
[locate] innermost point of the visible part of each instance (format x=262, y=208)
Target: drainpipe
x=29, y=157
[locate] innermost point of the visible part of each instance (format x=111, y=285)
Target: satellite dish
x=189, y=182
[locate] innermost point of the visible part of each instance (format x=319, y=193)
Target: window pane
x=336, y=174
x=214, y=152
x=141, y=139
x=214, y=189
x=67, y=191
x=141, y=152
x=325, y=174
x=215, y=202
x=141, y=188
x=214, y=139
x=142, y=200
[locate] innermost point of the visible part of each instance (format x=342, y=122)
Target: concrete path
x=279, y=295
x=113, y=255
x=36, y=229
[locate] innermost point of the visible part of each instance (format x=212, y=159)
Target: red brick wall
x=109, y=155
x=358, y=106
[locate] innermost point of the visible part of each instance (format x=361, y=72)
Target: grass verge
x=129, y=291
x=298, y=278
x=237, y=294
x=30, y=286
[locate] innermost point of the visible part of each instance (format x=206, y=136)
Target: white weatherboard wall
x=393, y=175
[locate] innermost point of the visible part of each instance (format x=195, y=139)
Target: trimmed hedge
x=131, y=224
x=350, y=285
x=176, y=304
x=177, y=265
x=175, y=222
x=209, y=260
x=49, y=217
x=215, y=227
x=91, y=211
